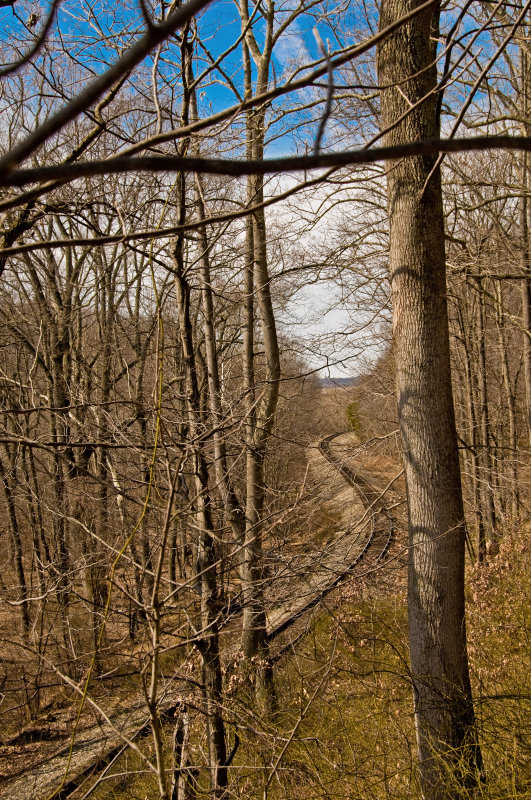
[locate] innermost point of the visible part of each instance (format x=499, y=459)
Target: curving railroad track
x=383, y=528
x=353, y=553
x=371, y=551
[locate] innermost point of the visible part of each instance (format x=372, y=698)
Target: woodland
x=224, y=574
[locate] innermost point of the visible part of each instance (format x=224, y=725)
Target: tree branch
x=237, y=168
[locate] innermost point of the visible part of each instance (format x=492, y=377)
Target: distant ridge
x=337, y=383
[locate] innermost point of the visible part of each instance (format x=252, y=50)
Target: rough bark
x=449, y=756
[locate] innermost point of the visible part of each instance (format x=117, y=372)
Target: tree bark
x=449, y=756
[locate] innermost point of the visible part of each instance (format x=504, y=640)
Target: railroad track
x=383, y=531
x=99, y=747
x=375, y=547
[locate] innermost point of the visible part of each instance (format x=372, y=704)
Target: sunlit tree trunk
x=449, y=756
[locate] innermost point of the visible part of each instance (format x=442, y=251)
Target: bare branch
x=236, y=168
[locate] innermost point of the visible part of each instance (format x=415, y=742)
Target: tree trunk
x=525, y=252
x=449, y=756
x=510, y=403
x=485, y=455
x=473, y=428
x=260, y=418
x=231, y=505
x=17, y=552
x=207, y=639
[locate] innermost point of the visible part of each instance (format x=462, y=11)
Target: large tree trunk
x=448, y=751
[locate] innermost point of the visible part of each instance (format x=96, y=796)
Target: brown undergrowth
x=344, y=726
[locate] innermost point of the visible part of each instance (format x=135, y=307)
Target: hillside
x=343, y=722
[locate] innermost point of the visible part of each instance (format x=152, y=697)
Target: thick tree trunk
x=448, y=752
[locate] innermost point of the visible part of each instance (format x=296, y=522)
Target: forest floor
x=344, y=688
x=351, y=541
